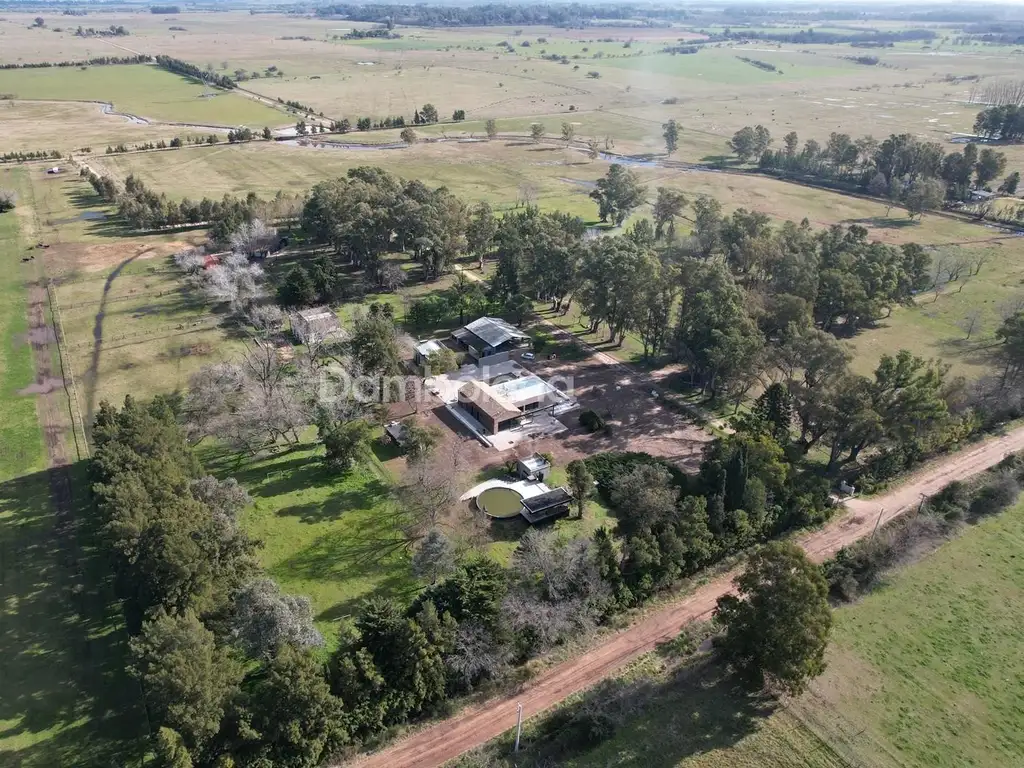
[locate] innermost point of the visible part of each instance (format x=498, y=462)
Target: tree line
x=185, y=69
x=902, y=169
x=96, y=61
x=111, y=31
x=21, y=157
x=142, y=208
x=812, y=36
x=571, y=14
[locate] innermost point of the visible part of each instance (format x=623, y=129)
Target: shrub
x=606, y=467
x=7, y=200
x=591, y=421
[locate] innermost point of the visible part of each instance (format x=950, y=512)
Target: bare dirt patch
x=43, y=387
x=66, y=258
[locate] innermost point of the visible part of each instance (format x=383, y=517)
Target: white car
x=528, y=356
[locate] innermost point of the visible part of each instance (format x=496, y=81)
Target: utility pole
x=519, y=726
x=880, y=513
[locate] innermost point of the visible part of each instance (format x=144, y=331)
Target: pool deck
x=524, y=488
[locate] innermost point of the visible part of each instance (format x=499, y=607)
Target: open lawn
x=143, y=90
x=924, y=672
x=66, y=698
x=322, y=534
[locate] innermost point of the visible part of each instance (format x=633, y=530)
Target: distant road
x=435, y=745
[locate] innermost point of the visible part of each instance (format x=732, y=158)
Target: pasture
x=142, y=90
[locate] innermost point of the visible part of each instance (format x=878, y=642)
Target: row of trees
x=574, y=15
x=142, y=208
x=95, y=61
x=225, y=659
x=21, y=157
x=902, y=168
x=185, y=69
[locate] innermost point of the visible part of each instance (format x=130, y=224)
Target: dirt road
x=437, y=744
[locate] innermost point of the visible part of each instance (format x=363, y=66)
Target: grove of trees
x=902, y=169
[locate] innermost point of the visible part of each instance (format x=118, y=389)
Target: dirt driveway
x=476, y=725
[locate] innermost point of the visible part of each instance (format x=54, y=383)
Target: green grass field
x=321, y=532
x=923, y=673
x=142, y=90
x=66, y=698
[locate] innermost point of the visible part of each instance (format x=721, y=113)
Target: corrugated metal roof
x=494, y=331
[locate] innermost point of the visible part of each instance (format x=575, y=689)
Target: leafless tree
x=1011, y=307
x=970, y=321
x=956, y=267
x=476, y=655
x=226, y=500
x=265, y=318
x=251, y=405
x=191, y=261
x=264, y=618
x=979, y=260
x=254, y=237
x=391, y=277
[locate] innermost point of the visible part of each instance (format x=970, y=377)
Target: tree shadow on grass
x=66, y=697
x=649, y=723
x=883, y=222
x=365, y=496
x=369, y=549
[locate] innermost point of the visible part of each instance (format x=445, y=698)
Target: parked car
x=528, y=356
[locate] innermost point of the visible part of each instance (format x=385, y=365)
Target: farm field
x=67, y=699
x=142, y=90
x=920, y=673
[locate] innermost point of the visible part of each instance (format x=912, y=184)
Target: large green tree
x=778, y=623
x=297, y=722
x=187, y=679
x=619, y=192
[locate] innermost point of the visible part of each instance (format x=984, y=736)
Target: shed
x=313, y=325
x=487, y=337
x=534, y=467
x=547, y=506
x=397, y=432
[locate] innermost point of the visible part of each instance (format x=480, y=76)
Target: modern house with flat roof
x=499, y=406
x=489, y=340
x=547, y=506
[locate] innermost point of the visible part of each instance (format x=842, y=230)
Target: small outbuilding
x=397, y=433
x=534, y=467
x=547, y=506
x=310, y=326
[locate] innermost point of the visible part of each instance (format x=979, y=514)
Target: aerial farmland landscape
x=528, y=384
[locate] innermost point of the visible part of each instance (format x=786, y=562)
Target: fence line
x=68, y=375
